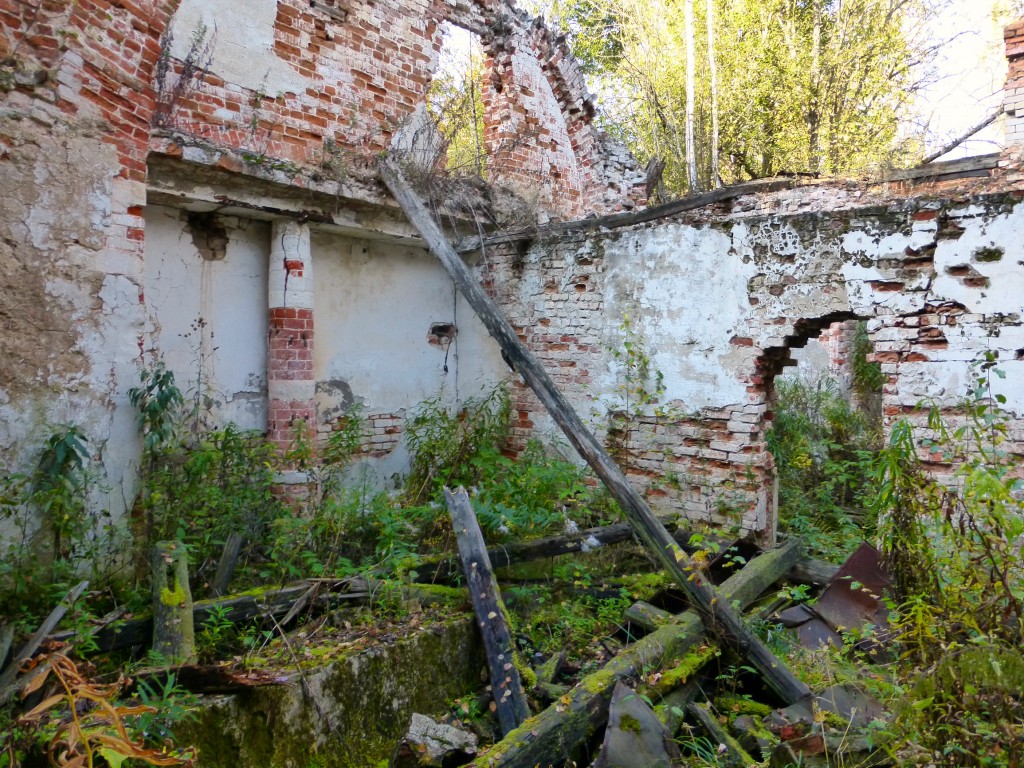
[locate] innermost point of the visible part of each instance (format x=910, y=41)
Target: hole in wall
x=442, y=334
x=209, y=235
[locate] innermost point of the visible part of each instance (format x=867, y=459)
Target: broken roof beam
x=617, y=220
x=718, y=614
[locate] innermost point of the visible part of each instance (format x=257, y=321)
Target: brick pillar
x=1013, y=93
x=290, y=382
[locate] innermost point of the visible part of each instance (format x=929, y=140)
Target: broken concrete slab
x=635, y=737
x=429, y=744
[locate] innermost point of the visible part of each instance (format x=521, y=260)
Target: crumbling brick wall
x=297, y=104
x=718, y=300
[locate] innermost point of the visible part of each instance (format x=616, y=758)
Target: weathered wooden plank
x=7, y=680
x=506, y=685
x=552, y=736
x=617, y=220
x=717, y=613
x=226, y=564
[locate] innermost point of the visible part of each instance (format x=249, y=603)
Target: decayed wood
x=226, y=565
x=616, y=220
x=717, y=613
x=672, y=708
x=816, y=572
x=174, y=637
x=506, y=686
x=734, y=756
x=552, y=736
x=646, y=616
x=7, y=680
x=443, y=569
x=524, y=552
x=237, y=609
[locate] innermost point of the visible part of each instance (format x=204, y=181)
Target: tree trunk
x=691, y=76
x=173, y=630
x=716, y=180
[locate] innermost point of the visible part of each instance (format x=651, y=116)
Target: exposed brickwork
x=539, y=125
x=290, y=359
x=727, y=314
x=1013, y=91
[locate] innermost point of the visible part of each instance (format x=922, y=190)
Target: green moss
x=737, y=705
x=600, y=681
x=690, y=664
x=368, y=697
x=173, y=597
x=630, y=724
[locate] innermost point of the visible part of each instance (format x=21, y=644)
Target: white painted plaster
x=243, y=34
x=229, y=296
x=289, y=241
x=687, y=294
x=374, y=306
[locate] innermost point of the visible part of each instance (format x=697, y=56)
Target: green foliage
x=867, y=377
x=824, y=453
x=817, y=87
x=159, y=402
x=60, y=536
x=953, y=550
x=449, y=447
x=455, y=104
x=201, y=490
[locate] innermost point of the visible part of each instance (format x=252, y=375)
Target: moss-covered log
x=551, y=737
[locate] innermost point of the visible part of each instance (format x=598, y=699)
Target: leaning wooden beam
x=718, y=614
x=554, y=734
x=506, y=686
x=7, y=679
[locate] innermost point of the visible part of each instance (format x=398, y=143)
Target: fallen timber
x=237, y=609
x=506, y=686
x=806, y=571
x=718, y=614
x=552, y=736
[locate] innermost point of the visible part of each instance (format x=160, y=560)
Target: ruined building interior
x=233, y=225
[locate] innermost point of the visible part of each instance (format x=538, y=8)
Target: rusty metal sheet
x=854, y=596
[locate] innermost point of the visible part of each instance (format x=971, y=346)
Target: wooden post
x=717, y=614
x=173, y=629
x=226, y=565
x=506, y=686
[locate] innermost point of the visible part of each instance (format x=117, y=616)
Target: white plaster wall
x=227, y=354
x=374, y=304
x=686, y=294
x=242, y=33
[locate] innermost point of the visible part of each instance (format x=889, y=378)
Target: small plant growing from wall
x=176, y=86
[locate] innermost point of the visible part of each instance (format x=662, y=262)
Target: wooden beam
x=617, y=220
x=718, y=614
x=555, y=734
x=499, y=646
x=7, y=680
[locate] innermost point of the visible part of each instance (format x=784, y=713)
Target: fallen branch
x=717, y=613
x=961, y=139
x=552, y=736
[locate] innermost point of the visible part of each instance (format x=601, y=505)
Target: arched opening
x=824, y=398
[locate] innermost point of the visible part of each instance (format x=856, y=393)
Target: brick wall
x=720, y=299
x=1013, y=91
